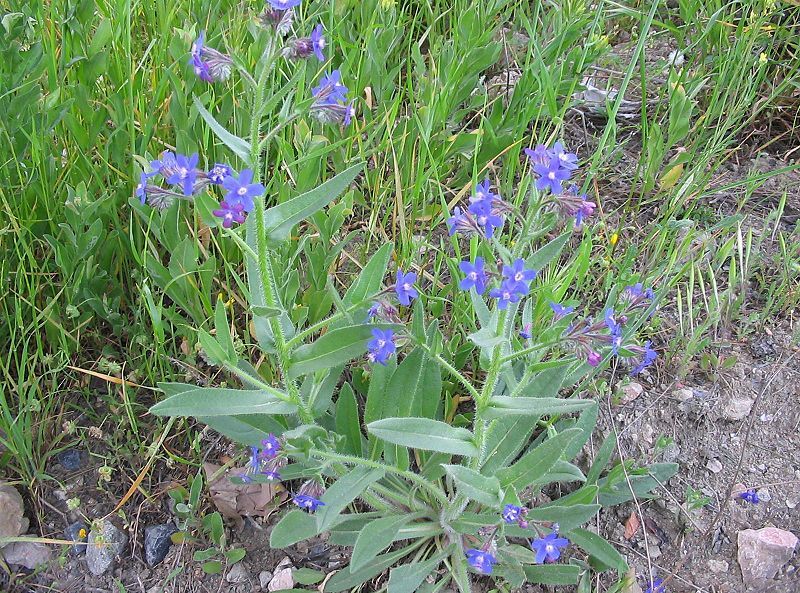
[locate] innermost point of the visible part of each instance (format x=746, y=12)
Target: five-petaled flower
x=566, y=160
x=230, y=213
x=511, y=513
x=540, y=155
x=184, y=173
x=381, y=346
x=141, y=187
x=307, y=503
x=209, y=64
x=474, y=275
x=645, y=357
x=219, y=172
x=548, y=548
x=615, y=329
x=404, y=287
x=519, y=275
x=241, y=190
x=481, y=560
x=270, y=446
x=284, y=4
x=551, y=175
x=560, y=310
x=318, y=42
x=486, y=217
x=750, y=496
x=509, y=292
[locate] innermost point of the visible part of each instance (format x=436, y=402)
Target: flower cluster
x=331, y=104
x=383, y=343
x=302, y=47
x=513, y=514
x=265, y=460
x=308, y=497
x=209, y=64
x=750, y=496
x=548, y=548
x=554, y=167
x=485, y=213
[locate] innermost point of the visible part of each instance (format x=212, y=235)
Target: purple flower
x=646, y=357
x=518, y=274
x=483, y=192
x=279, y=20
x=509, y=292
x=303, y=47
x=585, y=209
x=463, y=222
x=284, y=4
x=307, y=503
x=185, y=173
x=254, y=465
x=209, y=64
x=486, y=218
x=566, y=160
x=474, y=275
x=404, y=287
x=615, y=328
x=272, y=474
x=166, y=165
x=750, y=496
x=241, y=190
x=218, y=173
x=480, y=560
x=593, y=358
x=548, y=548
x=318, y=42
x=141, y=187
x=230, y=213
x=525, y=332
x=560, y=310
x=511, y=513
x=381, y=346
x=270, y=446
x=657, y=586
x=550, y=176
x=330, y=89
x=541, y=155
x=383, y=311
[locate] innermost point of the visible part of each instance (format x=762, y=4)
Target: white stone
x=264, y=577
x=737, y=409
x=763, y=552
x=282, y=580
x=237, y=574
x=12, y=512
x=683, y=395
x=714, y=465
x=717, y=566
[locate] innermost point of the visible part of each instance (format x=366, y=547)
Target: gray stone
x=105, y=544
x=671, y=453
x=714, y=465
x=717, y=566
x=73, y=534
x=683, y=395
x=629, y=392
x=12, y=512
x=737, y=409
x=264, y=577
x=157, y=541
x=70, y=459
x=763, y=552
x=27, y=554
x=237, y=574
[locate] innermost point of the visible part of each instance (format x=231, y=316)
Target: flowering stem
x=449, y=368
x=528, y=350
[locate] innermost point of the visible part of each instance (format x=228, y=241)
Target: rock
x=737, y=409
x=27, y=554
x=654, y=552
x=104, y=545
x=683, y=395
x=12, y=512
x=714, y=465
x=70, y=459
x=629, y=392
x=264, y=577
x=764, y=495
x=237, y=574
x=283, y=576
x=157, y=541
x=671, y=453
x=77, y=532
x=762, y=553
x=717, y=566
x=793, y=500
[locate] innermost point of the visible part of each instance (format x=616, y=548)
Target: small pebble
x=70, y=459
x=77, y=532
x=157, y=541
x=714, y=465
x=764, y=495
x=237, y=574
x=264, y=577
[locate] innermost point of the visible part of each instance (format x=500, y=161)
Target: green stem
x=526, y=351
x=450, y=369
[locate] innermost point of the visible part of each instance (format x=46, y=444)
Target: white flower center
x=321, y=43
x=551, y=175
x=406, y=286
x=473, y=275
x=381, y=343
x=183, y=172
x=518, y=276
x=242, y=191
x=549, y=548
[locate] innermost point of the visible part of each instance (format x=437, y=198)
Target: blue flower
x=566, y=160
x=615, y=328
x=541, y=155
x=230, y=213
x=551, y=175
x=560, y=310
x=483, y=192
x=241, y=190
x=647, y=356
x=318, y=42
x=184, y=173
x=509, y=292
x=404, y=287
x=548, y=548
x=219, y=172
x=474, y=275
x=657, y=586
x=141, y=187
x=270, y=446
x=480, y=560
x=381, y=346
x=525, y=332
x=486, y=218
x=284, y=4
x=511, y=513
x=750, y=496
x=209, y=64
x=330, y=89
x=272, y=474
x=463, y=222
x=518, y=274
x=307, y=503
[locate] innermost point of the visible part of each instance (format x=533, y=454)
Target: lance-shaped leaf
x=331, y=349
x=280, y=219
x=538, y=462
x=295, y=526
x=553, y=574
x=215, y=401
x=484, y=489
x=344, y=580
x=238, y=145
x=344, y=491
x=424, y=433
x=598, y=548
x=502, y=406
x=375, y=537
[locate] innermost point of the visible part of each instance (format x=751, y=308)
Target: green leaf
x=344, y=491
x=295, y=526
x=544, y=255
x=235, y=555
x=307, y=576
x=408, y=578
x=213, y=348
x=602, y=458
x=344, y=579
x=419, y=379
x=332, y=349
x=553, y=574
x=217, y=401
x=223, y=336
x=375, y=537
x=562, y=471
x=238, y=145
x=484, y=489
x=248, y=429
x=567, y=517
x=280, y=219
x=538, y=462
x=347, y=421
x=212, y=567
x=598, y=548
x=424, y=433
x=503, y=407
x=370, y=280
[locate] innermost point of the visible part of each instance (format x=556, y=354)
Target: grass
x=90, y=87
